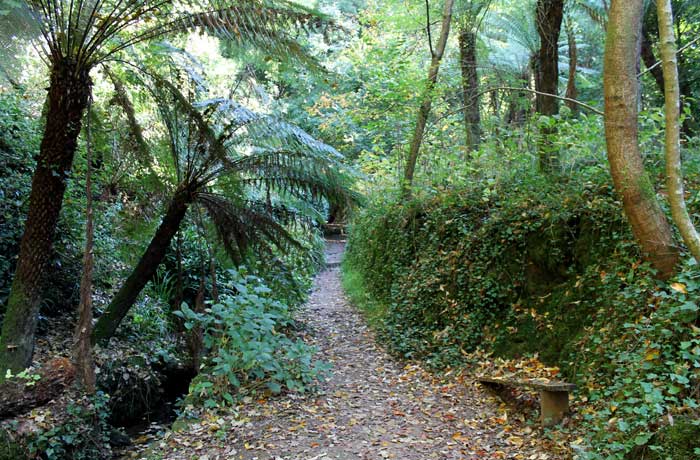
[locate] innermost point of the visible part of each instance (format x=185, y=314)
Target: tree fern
x=215, y=140
x=74, y=36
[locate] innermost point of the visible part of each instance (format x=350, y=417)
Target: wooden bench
x=554, y=396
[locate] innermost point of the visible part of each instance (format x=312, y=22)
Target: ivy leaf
x=679, y=287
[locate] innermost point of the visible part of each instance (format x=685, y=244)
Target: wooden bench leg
x=553, y=406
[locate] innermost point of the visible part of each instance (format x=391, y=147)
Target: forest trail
x=372, y=407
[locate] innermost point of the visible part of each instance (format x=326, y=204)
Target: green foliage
x=531, y=266
x=290, y=275
x=354, y=286
x=83, y=435
x=252, y=348
x=18, y=142
x=463, y=263
x=640, y=365
x=10, y=449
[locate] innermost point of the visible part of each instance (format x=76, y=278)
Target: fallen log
x=19, y=395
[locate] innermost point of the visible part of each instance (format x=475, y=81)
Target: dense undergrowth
x=544, y=267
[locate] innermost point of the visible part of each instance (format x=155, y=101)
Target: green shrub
x=251, y=347
x=82, y=435
x=456, y=270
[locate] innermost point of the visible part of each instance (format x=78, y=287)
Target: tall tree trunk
x=571, y=90
x=145, y=269
x=82, y=353
x=648, y=222
x=650, y=60
x=68, y=95
x=516, y=110
x=426, y=105
x=470, y=87
x=674, y=173
x=549, y=18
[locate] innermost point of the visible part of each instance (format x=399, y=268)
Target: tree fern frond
x=121, y=98
x=594, y=10
x=86, y=32
x=307, y=185
x=241, y=227
x=262, y=25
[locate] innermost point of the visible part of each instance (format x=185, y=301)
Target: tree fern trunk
x=145, y=269
x=69, y=90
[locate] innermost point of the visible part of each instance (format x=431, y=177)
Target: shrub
x=251, y=347
x=82, y=435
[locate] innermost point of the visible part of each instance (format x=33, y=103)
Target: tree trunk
x=82, y=353
x=18, y=396
x=470, y=88
x=195, y=337
x=516, y=111
x=68, y=95
x=571, y=90
x=549, y=18
x=674, y=173
x=426, y=105
x=145, y=269
x=648, y=222
x=650, y=60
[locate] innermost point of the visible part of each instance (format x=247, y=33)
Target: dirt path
x=372, y=408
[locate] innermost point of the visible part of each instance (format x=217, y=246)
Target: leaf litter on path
x=372, y=408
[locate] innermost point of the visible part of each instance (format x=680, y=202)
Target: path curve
x=372, y=408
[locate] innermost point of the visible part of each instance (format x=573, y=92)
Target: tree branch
x=528, y=90
x=427, y=27
x=658, y=63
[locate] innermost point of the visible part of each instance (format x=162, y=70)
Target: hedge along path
x=372, y=407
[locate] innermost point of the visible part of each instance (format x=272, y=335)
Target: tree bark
x=674, y=173
x=426, y=105
x=549, y=18
x=516, y=112
x=571, y=90
x=647, y=220
x=69, y=90
x=470, y=87
x=145, y=269
x=650, y=60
